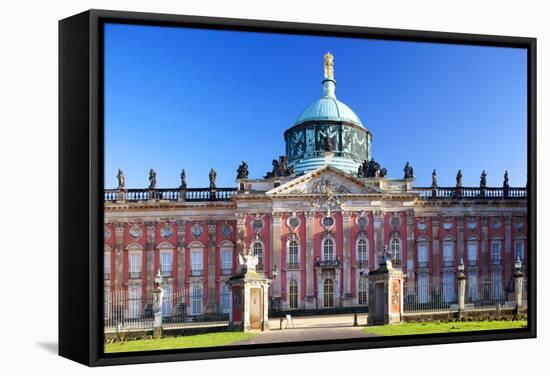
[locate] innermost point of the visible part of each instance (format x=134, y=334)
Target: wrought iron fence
x=427, y=295
x=128, y=312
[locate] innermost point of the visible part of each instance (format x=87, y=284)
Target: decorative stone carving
x=212, y=177
x=227, y=230
x=293, y=221
x=459, y=179
x=362, y=220
x=183, y=183
x=434, y=179
x=166, y=231
x=421, y=225
x=121, y=179
x=106, y=233
x=395, y=221
x=408, y=171
x=281, y=168
x=257, y=223
x=135, y=231
x=152, y=179
x=483, y=180
x=196, y=230
x=496, y=223
x=242, y=171
x=472, y=224
x=371, y=169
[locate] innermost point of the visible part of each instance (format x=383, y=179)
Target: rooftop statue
x=152, y=179
x=434, y=179
x=483, y=180
x=409, y=174
x=212, y=176
x=328, y=143
x=329, y=66
x=459, y=179
x=505, y=182
x=183, y=179
x=242, y=171
x=371, y=169
x=121, y=179
x=280, y=168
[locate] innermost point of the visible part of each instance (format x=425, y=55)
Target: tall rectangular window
x=134, y=302
x=448, y=253
x=107, y=265
x=423, y=254
x=472, y=286
x=166, y=263
x=226, y=298
x=226, y=261
x=449, y=287
x=196, y=261
x=497, y=285
x=495, y=252
x=135, y=265
x=167, y=301
x=196, y=300
x=519, y=250
x=472, y=252
x=423, y=288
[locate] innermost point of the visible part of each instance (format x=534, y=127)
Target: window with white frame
x=258, y=251
x=449, y=287
x=166, y=258
x=422, y=253
x=496, y=247
x=293, y=294
x=226, y=257
x=293, y=255
x=362, y=292
x=448, y=252
x=107, y=265
x=519, y=250
x=196, y=261
x=135, y=264
x=472, y=286
x=134, y=302
x=423, y=288
x=196, y=300
x=226, y=298
x=328, y=250
x=362, y=252
x=472, y=252
x=167, y=301
x=395, y=249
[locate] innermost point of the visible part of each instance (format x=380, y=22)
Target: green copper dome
x=328, y=107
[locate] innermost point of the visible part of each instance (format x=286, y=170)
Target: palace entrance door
x=255, y=308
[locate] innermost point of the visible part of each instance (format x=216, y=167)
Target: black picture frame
x=81, y=184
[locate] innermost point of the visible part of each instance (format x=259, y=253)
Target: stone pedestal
x=250, y=300
x=461, y=292
x=158, y=295
x=518, y=289
x=385, y=295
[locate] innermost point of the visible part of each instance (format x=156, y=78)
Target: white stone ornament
x=250, y=261
x=166, y=231
x=135, y=231
x=196, y=230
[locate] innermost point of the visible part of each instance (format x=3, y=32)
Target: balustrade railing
x=169, y=194
x=472, y=192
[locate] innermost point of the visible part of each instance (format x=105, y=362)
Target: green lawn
x=169, y=343
x=444, y=327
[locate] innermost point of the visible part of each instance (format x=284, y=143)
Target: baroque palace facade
x=318, y=222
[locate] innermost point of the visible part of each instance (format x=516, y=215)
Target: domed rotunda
x=327, y=132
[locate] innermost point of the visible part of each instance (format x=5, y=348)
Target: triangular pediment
x=323, y=179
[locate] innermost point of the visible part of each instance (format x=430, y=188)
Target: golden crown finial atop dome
x=329, y=66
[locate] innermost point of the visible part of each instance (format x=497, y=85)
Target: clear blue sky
x=196, y=99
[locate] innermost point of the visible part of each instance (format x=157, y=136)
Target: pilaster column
x=346, y=224
x=508, y=255
x=276, y=250
x=150, y=257
x=436, y=255
x=309, y=253
x=119, y=256
x=241, y=231
x=378, y=235
x=484, y=244
x=410, y=243
x=211, y=306
x=181, y=255
x=460, y=237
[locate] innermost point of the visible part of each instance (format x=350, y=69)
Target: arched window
x=496, y=247
x=395, y=249
x=258, y=250
x=293, y=256
x=423, y=254
x=293, y=294
x=196, y=300
x=362, y=253
x=328, y=293
x=328, y=250
x=134, y=301
x=362, y=293
x=448, y=252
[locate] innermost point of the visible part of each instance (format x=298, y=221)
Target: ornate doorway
x=255, y=308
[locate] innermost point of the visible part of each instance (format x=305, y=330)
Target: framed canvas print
x=237, y=187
